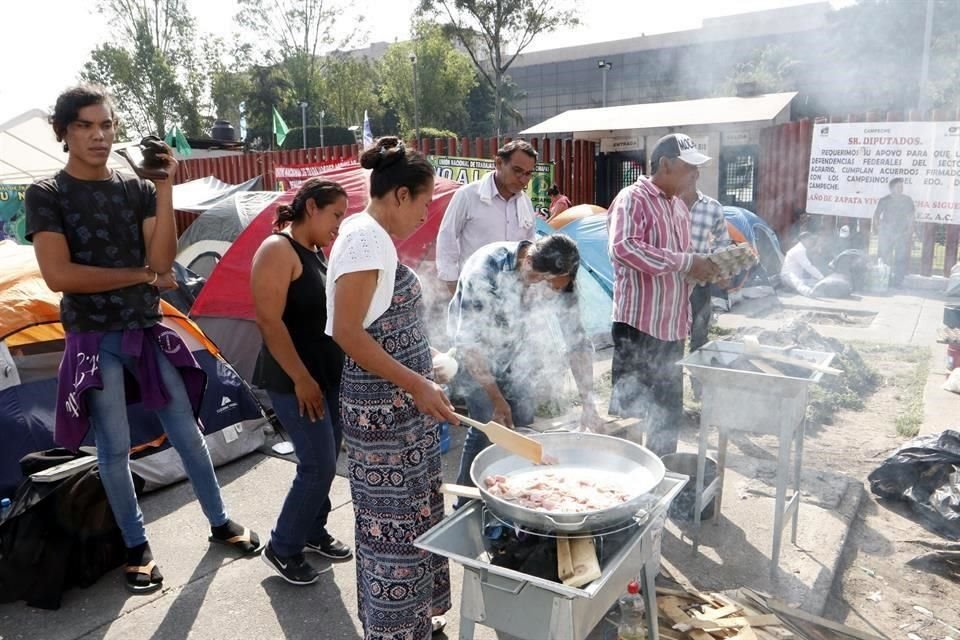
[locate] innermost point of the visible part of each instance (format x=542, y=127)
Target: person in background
x=708, y=233
x=558, y=201
x=300, y=369
x=495, y=208
x=108, y=243
x=798, y=272
x=649, y=245
x=893, y=219
x=389, y=403
x=495, y=338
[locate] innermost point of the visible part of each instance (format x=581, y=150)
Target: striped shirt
x=708, y=226
x=649, y=240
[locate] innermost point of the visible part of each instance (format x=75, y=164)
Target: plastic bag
x=925, y=473
x=953, y=382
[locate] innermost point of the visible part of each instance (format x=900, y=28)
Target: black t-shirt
x=102, y=221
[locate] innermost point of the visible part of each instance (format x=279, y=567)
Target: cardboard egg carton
x=731, y=260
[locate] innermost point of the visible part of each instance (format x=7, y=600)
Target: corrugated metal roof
x=657, y=115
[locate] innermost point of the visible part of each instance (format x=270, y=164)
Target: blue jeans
x=517, y=395
x=107, y=409
x=304, y=514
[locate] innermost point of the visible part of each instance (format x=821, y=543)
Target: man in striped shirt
x=649, y=245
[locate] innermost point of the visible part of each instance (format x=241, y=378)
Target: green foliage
x=770, y=69
x=295, y=32
x=151, y=65
x=495, y=32
x=444, y=80
x=349, y=87
x=430, y=133
x=270, y=87
x=880, y=44
x=331, y=136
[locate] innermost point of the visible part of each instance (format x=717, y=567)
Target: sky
x=46, y=42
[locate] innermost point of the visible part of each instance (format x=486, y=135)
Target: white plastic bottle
x=633, y=623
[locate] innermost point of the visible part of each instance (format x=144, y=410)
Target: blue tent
x=596, y=290
x=759, y=234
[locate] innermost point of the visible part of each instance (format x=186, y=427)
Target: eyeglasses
x=520, y=173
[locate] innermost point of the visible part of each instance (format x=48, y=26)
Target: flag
x=243, y=121
x=178, y=141
x=367, y=133
x=280, y=128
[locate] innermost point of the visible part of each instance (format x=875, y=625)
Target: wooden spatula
x=753, y=350
x=509, y=439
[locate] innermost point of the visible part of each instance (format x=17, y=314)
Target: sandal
x=438, y=624
x=143, y=579
x=248, y=542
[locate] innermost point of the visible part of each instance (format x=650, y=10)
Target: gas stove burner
x=490, y=519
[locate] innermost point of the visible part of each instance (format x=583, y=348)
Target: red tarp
x=227, y=292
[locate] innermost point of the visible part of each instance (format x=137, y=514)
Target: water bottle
x=5, y=508
x=633, y=625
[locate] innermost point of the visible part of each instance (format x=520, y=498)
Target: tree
x=270, y=87
x=881, y=44
x=495, y=32
x=769, y=70
x=151, y=66
x=298, y=31
x=445, y=77
x=349, y=88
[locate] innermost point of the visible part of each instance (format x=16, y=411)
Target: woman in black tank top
x=300, y=368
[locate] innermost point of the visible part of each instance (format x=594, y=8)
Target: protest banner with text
x=466, y=170
x=852, y=164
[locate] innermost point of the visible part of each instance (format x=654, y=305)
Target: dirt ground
x=877, y=591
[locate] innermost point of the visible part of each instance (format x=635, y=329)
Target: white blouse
x=362, y=245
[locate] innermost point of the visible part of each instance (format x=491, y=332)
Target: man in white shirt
x=495, y=208
x=797, y=272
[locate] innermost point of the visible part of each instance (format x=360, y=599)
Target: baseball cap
x=677, y=145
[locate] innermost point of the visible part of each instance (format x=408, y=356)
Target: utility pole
x=923, y=104
x=303, y=121
x=416, y=100
x=604, y=66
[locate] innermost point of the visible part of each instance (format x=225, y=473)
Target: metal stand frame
x=784, y=510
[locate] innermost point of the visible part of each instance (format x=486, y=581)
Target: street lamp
x=604, y=66
x=322, y=113
x=416, y=99
x=303, y=121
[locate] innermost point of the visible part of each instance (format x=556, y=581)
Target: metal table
x=532, y=608
x=762, y=403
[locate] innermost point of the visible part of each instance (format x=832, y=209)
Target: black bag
x=925, y=473
x=58, y=535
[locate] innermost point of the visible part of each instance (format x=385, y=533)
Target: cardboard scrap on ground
x=687, y=614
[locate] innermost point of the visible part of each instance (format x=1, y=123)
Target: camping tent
x=205, y=241
x=203, y=193
x=746, y=226
x=595, y=281
x=29, y=151
x=31, y=345
x=224, y=308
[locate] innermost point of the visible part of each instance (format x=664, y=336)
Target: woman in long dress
x=389, y=404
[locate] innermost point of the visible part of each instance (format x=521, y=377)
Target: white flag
x=367, y=133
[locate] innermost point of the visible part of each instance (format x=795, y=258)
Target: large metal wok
x=576, y=452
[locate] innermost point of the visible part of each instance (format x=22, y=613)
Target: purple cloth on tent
x=80, y=372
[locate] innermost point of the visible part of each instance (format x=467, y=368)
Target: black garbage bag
x=925, y=473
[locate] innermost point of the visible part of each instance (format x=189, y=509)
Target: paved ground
x=211, y=595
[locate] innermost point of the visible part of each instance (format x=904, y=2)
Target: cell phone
x=134, y=156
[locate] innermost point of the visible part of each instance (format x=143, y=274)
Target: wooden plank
x=764, y=620
x=564, y=559
x=586, y=567
x=676, y=593
x=782, y=609
x=670, y=607
x=710, y=613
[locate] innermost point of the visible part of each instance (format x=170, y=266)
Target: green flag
x=280, y=128
x=178, y=141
